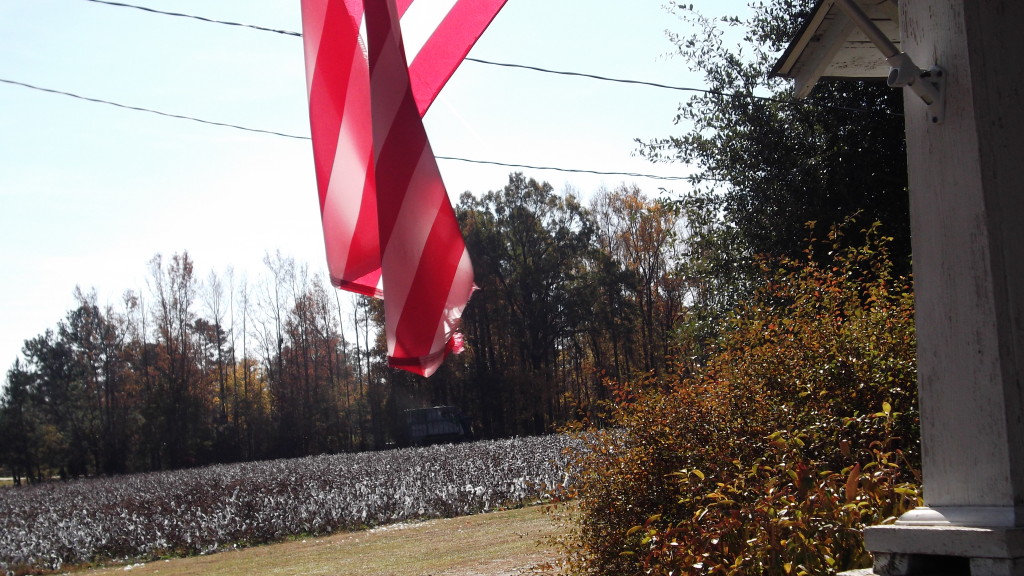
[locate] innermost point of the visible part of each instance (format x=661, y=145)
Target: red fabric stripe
x=362, y=267
x=352, y=249
x=447, y=47
x=418, y=324
x=397, y=161
x=328, y=90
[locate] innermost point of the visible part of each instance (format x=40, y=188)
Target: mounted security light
x=857, y=39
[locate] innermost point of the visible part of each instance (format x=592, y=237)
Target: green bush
x=770, y=456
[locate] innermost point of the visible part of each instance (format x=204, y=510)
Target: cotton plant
x=201, y=510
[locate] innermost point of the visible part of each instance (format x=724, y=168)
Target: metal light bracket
x=929, y=85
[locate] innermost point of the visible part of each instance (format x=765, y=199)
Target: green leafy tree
x=22, y=426
x=531, y=249
x=766, y=164
x=716, y=268
x=96, y=338
x=59, y=390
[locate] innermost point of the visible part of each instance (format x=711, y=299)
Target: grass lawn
x=500, y=543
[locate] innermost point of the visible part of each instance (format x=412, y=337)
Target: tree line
x=196, y=369
x=188, y=372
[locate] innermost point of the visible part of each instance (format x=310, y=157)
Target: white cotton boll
x=217, y=507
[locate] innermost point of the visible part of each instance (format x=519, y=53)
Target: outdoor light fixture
x=843, y=38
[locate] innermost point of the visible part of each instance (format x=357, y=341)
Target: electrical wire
x=140, y=109
x=557, y=169
x=299, y=137
x=721, y=93
x=605, y=78
x=194, y=17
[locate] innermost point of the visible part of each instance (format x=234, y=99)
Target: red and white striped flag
x=389, y=228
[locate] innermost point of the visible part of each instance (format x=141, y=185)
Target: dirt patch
x=509, y=543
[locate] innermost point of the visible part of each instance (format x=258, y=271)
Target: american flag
x=389, y=228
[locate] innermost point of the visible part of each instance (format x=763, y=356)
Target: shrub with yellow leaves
x=770, y=456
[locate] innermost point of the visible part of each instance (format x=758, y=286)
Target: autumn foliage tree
x=770, y=456
x=570, y=294
x=186, y=373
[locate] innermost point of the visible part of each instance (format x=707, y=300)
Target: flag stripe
x=437, y=60
x=362, y=264
x=397, y=168
x=420, y=22
x=418, y=269
x=329, y=90
x=313, y=21
x=389, y=83
x=446, y=339
x=412, y=227
x=351, y=187
x=389, y=228
x=433, y=279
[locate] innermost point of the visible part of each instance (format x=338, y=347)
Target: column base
x=912, y=549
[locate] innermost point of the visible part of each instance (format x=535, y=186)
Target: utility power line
x=301, y=137
x=557, y=169
x=194, y=17
x=534, y=68
x=149, y=110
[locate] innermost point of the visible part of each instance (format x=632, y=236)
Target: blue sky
x=89, y=192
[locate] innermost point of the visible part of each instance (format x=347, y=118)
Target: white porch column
x=967, y=221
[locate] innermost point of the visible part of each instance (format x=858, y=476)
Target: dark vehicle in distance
x=434, y=425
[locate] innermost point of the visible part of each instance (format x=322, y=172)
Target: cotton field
x=201, y=510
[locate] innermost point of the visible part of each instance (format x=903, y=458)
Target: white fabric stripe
x=362, y=33
x=341, y=209
x=420, y=21
x=313, y=16
x=412, y=228
x=440, y=338
x=462, y=285
x=351, y=162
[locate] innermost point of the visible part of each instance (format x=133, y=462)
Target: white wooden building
x=960, y=65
